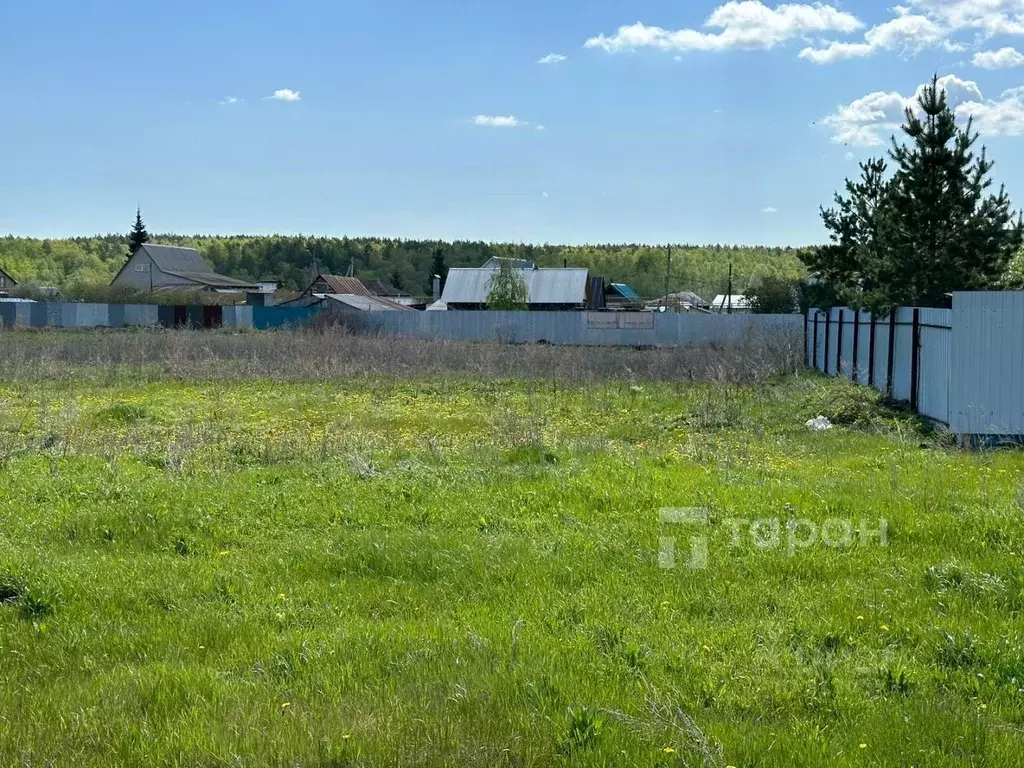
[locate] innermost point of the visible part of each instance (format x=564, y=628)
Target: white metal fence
x=962, y=366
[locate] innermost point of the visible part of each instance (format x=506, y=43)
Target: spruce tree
x=931, y=228
x=138, y=236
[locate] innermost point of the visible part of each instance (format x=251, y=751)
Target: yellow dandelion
x=668, y=751
x=281, y=596
x=285, y=704
x=884, y=627
x=863, y=746
x=346, y=737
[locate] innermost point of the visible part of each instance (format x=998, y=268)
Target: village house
x=7, y=283
x=166, y=268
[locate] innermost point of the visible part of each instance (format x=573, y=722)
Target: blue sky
x=666, y=121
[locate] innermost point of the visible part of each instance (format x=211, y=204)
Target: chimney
x=436, y=283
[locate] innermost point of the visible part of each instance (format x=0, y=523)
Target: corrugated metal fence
x=962, y=366
x=634, y=329
x=879, y=352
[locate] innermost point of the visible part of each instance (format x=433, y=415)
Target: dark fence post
x=839, y=346
x=815, y=352
x=915, y=358
x=856, y=344
x=871, y=352
x=828, y=338
x=892, y=352
x=805, y=337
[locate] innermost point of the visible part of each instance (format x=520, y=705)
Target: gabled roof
x=380, y=288
x=187, y=264
x=495, y=263
x=211, y=279
x=8, y=276
x=342, y=285
x=170, y=258
x=557, y=285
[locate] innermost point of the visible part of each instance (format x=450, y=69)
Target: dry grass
x=27, y=355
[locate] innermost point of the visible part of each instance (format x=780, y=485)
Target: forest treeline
x=408, y=264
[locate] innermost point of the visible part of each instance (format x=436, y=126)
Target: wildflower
x=884, y=627
x=863, y=746
x=346, y=737
x=281, y=596
x=668, y=751
x=285, y=705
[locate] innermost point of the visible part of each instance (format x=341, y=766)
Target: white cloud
x=743, y=24
x=542, y=127
x=848, y=156
x=497, y=121
x=769, y=209
x=553, y=58
x=1001, y=59
x=906, y=34
x=285, y=94
x=231, y=100
x=867, y=121
x=990, y=17
x=544, y=194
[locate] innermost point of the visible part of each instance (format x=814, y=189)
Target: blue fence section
x=280, y=317
x=54, y=314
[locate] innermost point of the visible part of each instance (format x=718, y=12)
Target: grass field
x=458, y=571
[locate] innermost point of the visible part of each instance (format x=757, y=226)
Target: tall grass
x=335, y=353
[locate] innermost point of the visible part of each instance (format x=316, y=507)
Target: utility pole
x=728, y=297
x=352, y=266
x=668, y=270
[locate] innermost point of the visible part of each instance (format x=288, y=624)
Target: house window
x=142, y=267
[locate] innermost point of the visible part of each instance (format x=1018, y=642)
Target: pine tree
x=138, y=236
x=930, y=229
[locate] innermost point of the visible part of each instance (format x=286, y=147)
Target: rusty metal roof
x=342, y=285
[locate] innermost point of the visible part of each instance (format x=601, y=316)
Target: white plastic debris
x=819, y=424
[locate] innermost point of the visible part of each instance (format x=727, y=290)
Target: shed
x=350, y=302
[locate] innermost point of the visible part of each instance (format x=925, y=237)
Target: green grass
x=466, y=573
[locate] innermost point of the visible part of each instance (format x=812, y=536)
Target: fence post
x=839, y=346
x=805, y=337
x=815, y=352
x=892, y=352
x=915, y=360
x=828, y=338
x=871, y=352
x=856, y=344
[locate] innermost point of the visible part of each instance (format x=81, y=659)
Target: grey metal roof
x=365, y=303
x=211, y=279
x=170, y=258
x=558, y=285
x=495, y=262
